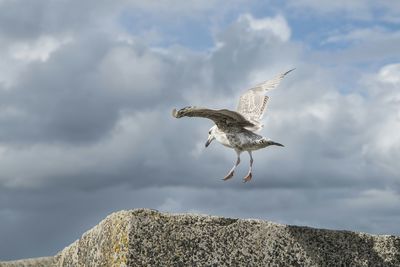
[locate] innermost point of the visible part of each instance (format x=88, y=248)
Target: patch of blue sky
x=315, y=32
x=261, y=10
x=191, y=33
x=391, y=20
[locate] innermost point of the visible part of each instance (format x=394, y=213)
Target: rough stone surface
x=149, y=238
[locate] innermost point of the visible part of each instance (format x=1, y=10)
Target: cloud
x=47, y=17
x=276, y=26
x=368, y=10
x=357, y=36
x=390, y=74
x=383, y=146
x=40, y=49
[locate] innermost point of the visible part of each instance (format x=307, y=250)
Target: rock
x=149, y=238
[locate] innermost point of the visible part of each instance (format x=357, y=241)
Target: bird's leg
x=249, y=175
x=231, y=172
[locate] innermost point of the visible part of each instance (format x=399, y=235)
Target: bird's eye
x=209, y=132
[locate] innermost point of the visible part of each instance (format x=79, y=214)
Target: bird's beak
x=209, y=140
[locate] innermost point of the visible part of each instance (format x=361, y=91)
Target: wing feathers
x=263, y=107
x=223, y=118
x=253, y=103
x=270, y=84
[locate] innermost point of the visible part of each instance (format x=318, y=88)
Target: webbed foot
x=228, y=176
x=247, y=178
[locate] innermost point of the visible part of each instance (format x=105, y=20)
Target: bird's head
x=211, y=135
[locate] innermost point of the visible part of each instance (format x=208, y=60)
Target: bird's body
x=222, y=138
x=243, y=140
x=236, y=129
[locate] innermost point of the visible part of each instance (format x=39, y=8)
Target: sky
x=87, y=89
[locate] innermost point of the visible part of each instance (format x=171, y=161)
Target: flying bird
x=237, y=129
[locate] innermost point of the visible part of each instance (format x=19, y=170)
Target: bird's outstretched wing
x=223, y=118
x=253, y=103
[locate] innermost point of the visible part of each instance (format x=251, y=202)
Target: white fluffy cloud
x=276, y=25
x=383, y=146
x=39, y=49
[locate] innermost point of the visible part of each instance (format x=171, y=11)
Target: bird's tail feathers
x=272, y=143
x=267, y=142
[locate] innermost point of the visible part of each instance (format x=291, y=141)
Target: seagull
x=237, y=129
